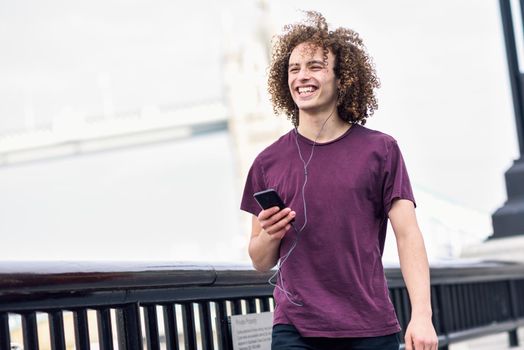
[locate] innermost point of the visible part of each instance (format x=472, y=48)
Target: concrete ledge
x=506, y=249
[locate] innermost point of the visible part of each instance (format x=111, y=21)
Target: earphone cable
x=278, y=273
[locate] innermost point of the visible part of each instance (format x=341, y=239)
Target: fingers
x=408, y=342
x=276, y=222
x=420, y=344
x=267, y=213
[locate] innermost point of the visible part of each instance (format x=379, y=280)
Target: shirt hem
x=350, y=333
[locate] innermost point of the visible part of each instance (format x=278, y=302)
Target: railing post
x=438, y=309
x=152, y=338
x=56, y=329
x=513, y=300
x=5, y=339
x=30, y=331
x=224, y=339
x=206, y=330
x=170, y=327
x=129, y=328
x=188, y=322
x=264, y=303
x=513, y=338
x=81, y=329
x=105, y=333
x=251, y=306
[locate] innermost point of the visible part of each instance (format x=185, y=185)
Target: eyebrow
x=308, y=63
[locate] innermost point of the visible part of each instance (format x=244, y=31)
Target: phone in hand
x=269, y=199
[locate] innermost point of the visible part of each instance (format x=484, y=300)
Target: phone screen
x=268, y=199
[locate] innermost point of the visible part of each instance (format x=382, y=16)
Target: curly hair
x=356, y=99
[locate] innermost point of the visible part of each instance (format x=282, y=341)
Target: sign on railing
x=252, y=331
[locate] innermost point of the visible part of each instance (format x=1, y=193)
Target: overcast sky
x=61, y=53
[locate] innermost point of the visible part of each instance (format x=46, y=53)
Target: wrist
x=421, y=313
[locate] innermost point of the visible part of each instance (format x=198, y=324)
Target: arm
x=420, y=334
x=267, y=230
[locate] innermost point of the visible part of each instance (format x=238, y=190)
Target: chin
x=306, y=105
x=308, y=108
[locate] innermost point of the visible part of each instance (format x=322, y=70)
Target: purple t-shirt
x=335, y=271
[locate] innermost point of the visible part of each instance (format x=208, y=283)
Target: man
x=341, y=181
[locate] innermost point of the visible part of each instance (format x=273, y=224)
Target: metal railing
x=175, y=306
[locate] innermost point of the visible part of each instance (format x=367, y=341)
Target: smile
x=306, y=89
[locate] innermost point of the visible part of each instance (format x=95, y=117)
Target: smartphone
x=269, y=199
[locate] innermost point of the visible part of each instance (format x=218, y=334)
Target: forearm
x=263, y=251
x=415, y=270
x=267, y=231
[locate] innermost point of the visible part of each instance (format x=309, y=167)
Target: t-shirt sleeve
x=254, y=183
x=396, y=184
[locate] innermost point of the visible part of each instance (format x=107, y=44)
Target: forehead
x=307, y=51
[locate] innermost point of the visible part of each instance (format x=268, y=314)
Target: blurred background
x=127, y=127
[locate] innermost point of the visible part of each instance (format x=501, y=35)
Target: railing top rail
x=16, y=277
x=61, y=276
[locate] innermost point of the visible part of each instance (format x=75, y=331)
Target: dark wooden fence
x=183, y=306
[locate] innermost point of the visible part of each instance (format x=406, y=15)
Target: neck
x=322, y=127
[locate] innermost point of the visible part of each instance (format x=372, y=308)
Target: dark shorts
x=286, y=337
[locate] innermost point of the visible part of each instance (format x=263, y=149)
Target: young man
x=341, y=181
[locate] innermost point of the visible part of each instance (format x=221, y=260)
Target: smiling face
x=311, y=79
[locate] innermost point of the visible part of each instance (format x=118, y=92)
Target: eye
x=293, y=70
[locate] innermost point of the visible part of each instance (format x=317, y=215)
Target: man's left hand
x=420, y=335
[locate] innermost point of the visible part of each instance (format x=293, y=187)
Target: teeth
x=302, y=90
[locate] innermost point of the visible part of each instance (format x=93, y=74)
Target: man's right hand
x=276, y=222
x=268, y=228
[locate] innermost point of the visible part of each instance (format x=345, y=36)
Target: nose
x=303, y=74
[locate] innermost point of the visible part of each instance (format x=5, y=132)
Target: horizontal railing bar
x=449, y=274
x=34, y=277
x=52, y=277
x=66, y=301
